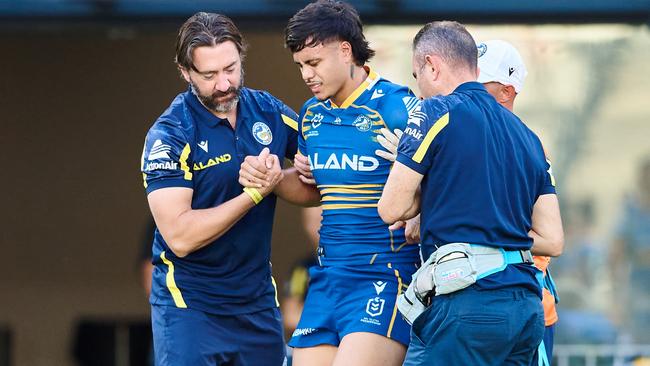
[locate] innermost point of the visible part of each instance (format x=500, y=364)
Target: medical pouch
x=454, y=268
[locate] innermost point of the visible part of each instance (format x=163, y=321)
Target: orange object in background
x=548, y=300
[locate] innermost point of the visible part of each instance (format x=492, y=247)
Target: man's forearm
x=191, y=230
x=548, y=247
x=292, y=190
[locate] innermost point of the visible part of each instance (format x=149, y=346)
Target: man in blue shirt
x=213, y=300
x=502, y=73
x=483, y=185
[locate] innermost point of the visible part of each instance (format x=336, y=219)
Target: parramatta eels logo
x=482, y=48
x=262, y=133
x=362, y=123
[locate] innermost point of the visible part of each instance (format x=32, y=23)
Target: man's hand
x=262, y=172
x=389, y=141
x=301, y=163
x=274, y=174
x=411, y=231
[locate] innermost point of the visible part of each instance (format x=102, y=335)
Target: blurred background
x=82, y=81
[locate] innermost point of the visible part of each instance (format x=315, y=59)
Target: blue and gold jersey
x=190, y=147
x=483, y=172
x=340, y=142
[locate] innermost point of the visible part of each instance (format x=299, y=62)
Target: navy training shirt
x=188, y=146
x=483, y=172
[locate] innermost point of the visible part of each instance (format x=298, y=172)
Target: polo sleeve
x=166, y=158
x=548, y=185
x=418, y=145
x=290, y=119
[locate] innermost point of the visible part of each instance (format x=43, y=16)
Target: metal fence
x=601, y=355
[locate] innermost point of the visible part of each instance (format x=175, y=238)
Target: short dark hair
x=449, y=40
x=205, y=29
x=327, y=20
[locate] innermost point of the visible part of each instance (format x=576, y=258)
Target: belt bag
x=459, y=265
x=451, y=268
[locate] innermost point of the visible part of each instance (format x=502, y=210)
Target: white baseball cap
x=499, y=61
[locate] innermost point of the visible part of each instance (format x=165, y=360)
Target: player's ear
x=184, y=73
x=346, y=50
x=433, y=63
x=509, y=92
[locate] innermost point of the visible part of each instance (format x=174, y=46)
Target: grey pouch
x=410, y=303
x=454, y=268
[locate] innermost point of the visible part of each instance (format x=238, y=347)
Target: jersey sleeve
x=422, y=135
x=290, y=119
x=302, y=145
x=166, y=158
x=396, y=108
x=548, y=185
x=548, y=180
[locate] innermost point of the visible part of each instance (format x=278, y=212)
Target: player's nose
x=307, y=73
x=222, y=84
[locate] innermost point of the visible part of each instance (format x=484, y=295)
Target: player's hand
x=389, y=141
x=274, y=174
x=253, y=171
x=412, y=231
x=301, y=163
x=397, y=225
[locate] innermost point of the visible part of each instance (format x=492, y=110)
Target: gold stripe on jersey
x=350, y=185
x=290, y=122
x=344, y=198
x=346, y=190
x=344, y=206
x=275, y=288
x=372, y=76
x=441, y=123
x=399, y=292
x=171, y=283
x=183, y=160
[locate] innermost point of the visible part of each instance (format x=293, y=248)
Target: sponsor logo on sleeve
x=159, y=150
x=303, y=331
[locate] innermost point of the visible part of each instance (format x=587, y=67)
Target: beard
x=215, y=102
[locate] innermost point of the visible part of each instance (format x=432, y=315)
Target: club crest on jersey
x=362, y=123
x=482, y=48
x=262, y=133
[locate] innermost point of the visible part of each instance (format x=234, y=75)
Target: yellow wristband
x=255, y=195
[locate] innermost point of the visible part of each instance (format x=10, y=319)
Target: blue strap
x=509, y=257
x=549, y=284
x=513, y=257
x=542, y=359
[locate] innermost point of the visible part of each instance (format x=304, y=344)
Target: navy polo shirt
x=483, y=172
x=190, y=147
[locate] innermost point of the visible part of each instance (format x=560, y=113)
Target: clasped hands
x=262, y=172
